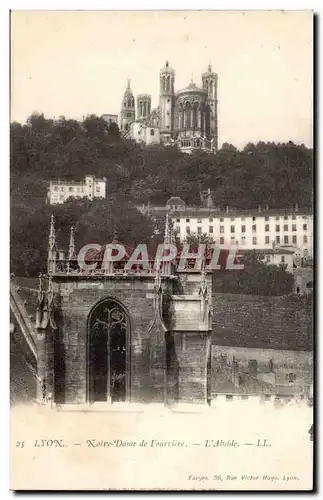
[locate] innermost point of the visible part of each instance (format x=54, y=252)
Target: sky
x=74, y=63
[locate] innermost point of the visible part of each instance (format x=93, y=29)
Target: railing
x=147, y=268
x=120, y=268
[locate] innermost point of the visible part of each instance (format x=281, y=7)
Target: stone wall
x=265, y=322
x=147, y=352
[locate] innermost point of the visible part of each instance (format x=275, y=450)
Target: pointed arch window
x=168, y=84
x=188, y=110
x=195, y=112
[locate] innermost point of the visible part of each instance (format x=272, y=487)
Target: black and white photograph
x=161, y=250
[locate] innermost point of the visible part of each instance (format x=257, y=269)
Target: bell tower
x=127, y=115
x=166, y=100
x=210, y=85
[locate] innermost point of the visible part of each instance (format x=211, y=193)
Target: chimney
x=259, y=208
x=227, y=209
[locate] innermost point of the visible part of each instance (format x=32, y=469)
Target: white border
x=4, y=198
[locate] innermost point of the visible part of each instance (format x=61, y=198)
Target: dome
x=191, y=89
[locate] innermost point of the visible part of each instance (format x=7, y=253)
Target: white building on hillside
x=262, y=229
x=91, y=187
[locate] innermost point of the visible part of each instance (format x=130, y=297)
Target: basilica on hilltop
x=185, y=118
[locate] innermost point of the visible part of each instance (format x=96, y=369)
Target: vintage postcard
x=161, y=235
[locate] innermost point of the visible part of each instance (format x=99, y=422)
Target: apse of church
x=186, y=118
x=115, y=335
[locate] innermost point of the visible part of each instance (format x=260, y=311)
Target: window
x=232, y=239
x=286, y=240
x=305, y=217
x=188, y=231
x=187, y=220
x=55, y=188
x=221, y=219
x=221, y=240
x=232, y=229
x=243, y=218
x=210, y=219
x=243, y=229
x=97, y=189
x=199, y=230
x=277, y=218
x=277, y=228
x=221, y=229
x=294, y=217
x=285, y=217
x=293, y=227
x=210, y=229
x=178, y=220
x=70, y=189
x=266, y=218
x=254, y=228
x=290, y=377
x=294, y=238
x=305, y=239
x=282, y=259
x=232, y=218
x=254, y=218
x=277, y=239
x=254, y=240
x=243, y=240
x=304, y=227
x=199, y=221
x=267, y=228
x=152, y=132
x=267, y=240
x=285, y=227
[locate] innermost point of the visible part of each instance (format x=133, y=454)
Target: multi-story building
x=186, y=118
x=91, y=187
x=277, y=232
x=110, y=118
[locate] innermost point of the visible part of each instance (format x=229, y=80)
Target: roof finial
x=167, y=64
x=71, y=248
x=52, y=235
x=192, y=81
x=210, y=68
x=128, y=83
x=51, y=247
x=167, y=231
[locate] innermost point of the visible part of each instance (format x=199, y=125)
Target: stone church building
x=187, y=118
x=111, y=335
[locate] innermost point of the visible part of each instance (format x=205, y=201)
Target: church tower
x=143, y=106
x=127, y=114
x=166, y=100
x=210, y=85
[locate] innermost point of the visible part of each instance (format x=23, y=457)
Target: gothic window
x=195, y=121
x=168, y=83
x=108, y=371
x=188, y=115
